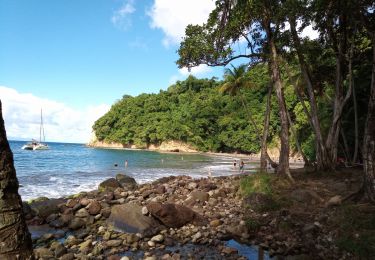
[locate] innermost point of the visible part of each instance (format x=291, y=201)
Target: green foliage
x=259, y=183
x=193, y=111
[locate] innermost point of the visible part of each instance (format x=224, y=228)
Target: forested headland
x=194, y=111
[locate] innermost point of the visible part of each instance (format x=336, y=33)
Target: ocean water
x=68, y=169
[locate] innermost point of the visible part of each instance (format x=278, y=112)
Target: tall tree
x=369, y=138
x=367, y=15
x=15, y=239
x=236, y=79
x=338, y=24
x=212, y=44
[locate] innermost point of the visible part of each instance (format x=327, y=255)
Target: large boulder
x=109, y=185
x=77, y=223
x=46, y=207
x=174, y=215
x=201, y=196
x=126, y=182
x=94, y=207
x=129, y=218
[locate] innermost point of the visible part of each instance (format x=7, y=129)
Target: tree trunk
x=296, y=140
x=283, y=167
x=345, y=146
x=264, y=154
x=263, y=150
x=15, y=239
x=338, y=106
x=369, y=138
x=355, y=153
x=319, y=143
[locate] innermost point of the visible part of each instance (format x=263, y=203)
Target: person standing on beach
x=235, y=164
x=242, y=167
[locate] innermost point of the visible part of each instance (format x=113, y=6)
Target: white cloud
x=21, y=112
x=172, y=16
x=308, y=31
x=200, y=70
x=196, y=71
x=121, y=18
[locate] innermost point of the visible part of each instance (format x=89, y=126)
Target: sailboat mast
x=40, y=128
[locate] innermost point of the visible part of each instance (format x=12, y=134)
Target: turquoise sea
x=67, y=169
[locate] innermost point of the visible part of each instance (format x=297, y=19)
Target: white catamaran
x=35, y=145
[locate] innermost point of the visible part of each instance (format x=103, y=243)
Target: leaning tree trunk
x=299, y=149
x=283, y=167
x=263, y=149
x=369, y=139
x=355, y=154
x=15, y=239
x=264, y=156
x=313, y=114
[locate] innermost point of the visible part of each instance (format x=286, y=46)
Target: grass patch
x=252, y=224
x=259, y=183
x=357, y=230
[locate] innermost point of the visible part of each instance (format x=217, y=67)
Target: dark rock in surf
x=126, y=182
x=109, y=185
x=46, y=207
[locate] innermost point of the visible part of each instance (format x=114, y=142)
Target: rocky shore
x=183, y=218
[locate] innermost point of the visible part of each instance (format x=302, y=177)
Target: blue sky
x=86, y=51
x=83, y=55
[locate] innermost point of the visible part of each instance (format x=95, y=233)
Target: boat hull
x=41, y=147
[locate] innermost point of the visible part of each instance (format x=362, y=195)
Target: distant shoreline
x=250, y=157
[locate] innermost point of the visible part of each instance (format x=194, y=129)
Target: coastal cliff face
x=167, y=146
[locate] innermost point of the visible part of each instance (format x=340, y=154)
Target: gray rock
x=82, y=213
x=68, y=256
x=144, y=210
x=192, y=185
x=60, y=251
x=57, y=223
x=106, y=212
x=199, y=195
x=126, y=182
x=46, y=207
x=85, y=246
x=334, y=201
x=27, y=211
x=158, y=238
x=109, y=185
x=77, y=223
x=42, y=252
x=114, y=243
x=84, y=202
x=71, y=241
x=174, y=215
x=129, y=218
x=94, y=207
